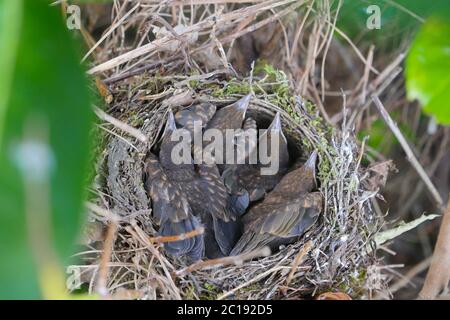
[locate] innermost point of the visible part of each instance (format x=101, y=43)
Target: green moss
x=250, y=288
x=156, y=84
x=210, y=292
x=136, y=120
x=355, y=286
x=234, y=86
x=194, y=84
x=189, y=295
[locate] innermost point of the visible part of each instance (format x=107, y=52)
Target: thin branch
x=409, y=276
x=253, y=280
x=102, y=212
x=103, y=273
x=142, y=237
x=438, y=275
x=178, y=237
x=233, y=260
x=170, y=40
x=409, y=153
x=298, y=259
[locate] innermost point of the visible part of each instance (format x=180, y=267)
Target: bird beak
x=244, y=102
x=311, y=162
x=170, y=124
x=276, y=126
x=276, y=122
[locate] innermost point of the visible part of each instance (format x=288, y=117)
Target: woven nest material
x=336, y=254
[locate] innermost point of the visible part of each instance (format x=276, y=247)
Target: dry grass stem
x=409, y=153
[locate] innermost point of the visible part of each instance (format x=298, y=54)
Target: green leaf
x=400, y=19
x=402, y=227
x=428, y=69
x=10, y=19
x=44, y=152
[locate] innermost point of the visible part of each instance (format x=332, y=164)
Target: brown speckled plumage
x=248, y=176
x=286, y=212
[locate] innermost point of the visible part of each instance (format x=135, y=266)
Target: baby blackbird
x=228, y=118
x=239, y=198
x=172, y=212
x=286, y=213
x=248, y=177
x=202, y=113
x=227, y=232
x=207, y=197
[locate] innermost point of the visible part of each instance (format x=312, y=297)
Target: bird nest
x=124, y=254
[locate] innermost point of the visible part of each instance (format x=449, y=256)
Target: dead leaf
x=378, y=174
x=93, y=231
x=183, y=37
x=333, y=296
x=402, y=227
x=104, y=91
x=125, y=294
x=180, y=98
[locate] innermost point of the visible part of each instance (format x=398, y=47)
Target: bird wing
x=227, y=234
x=268, y=223
x=262, y=226
x=168, y=200
x=201, y=112
x=214, y=191
x=292, y=218
x=251, y=241
x=193, y=247
x=280, y=219
x=312, y=204
x=228, y=117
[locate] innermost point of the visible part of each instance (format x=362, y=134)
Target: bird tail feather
x=249, y=242
x=192, y=247
x=227, y=234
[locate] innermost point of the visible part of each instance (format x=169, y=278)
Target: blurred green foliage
x=400, y=19
x=428, y=68
x=48, y=83
x=10, y=19
x=380, y=137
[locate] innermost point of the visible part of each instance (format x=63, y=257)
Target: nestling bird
x=286, y=213
x=218, y=211
x=171, y=211
x=207, y=197
x=222, y=232
x=202, y=112
x=228, y=231
x=248, y=177
x=239, y=198
x=230, y=117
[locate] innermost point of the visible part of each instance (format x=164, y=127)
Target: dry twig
x=234, y=260
x=409, y=153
